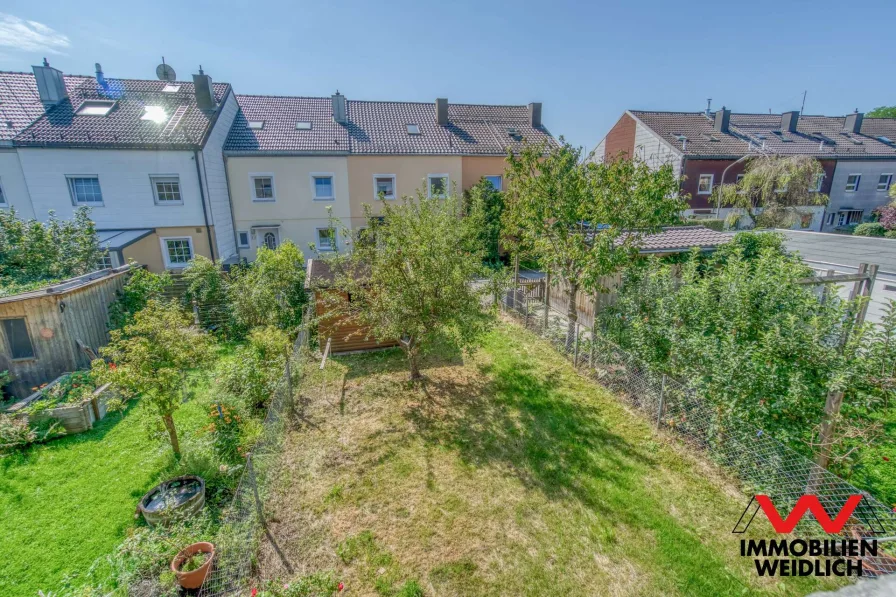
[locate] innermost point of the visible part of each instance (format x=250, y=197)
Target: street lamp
x=722, y=180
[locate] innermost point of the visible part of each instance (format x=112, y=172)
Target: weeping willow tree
x=775, y=191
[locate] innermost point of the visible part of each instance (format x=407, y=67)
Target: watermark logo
x=809, y=557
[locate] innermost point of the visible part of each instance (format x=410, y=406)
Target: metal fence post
x=195, y=312
x=289, y=397
x=575, y=358
x=547, y=299
x=659, y=411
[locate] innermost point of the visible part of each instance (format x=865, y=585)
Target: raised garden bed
x=71, y=399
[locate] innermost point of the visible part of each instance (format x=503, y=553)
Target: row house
x=293, y=162
x=858, y=155
x=144, y=155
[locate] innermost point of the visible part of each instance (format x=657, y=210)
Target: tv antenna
x=165, y=72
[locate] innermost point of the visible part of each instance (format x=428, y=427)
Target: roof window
x=823, y=138
x=171, y=88
x=780, y=135
x=256, y=124
x=303, y=125
x=95, y=108
x=413, y=129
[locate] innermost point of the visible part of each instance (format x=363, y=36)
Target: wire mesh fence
x=764, y=465
x=243, y=522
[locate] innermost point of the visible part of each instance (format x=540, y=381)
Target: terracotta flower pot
x=194, y=578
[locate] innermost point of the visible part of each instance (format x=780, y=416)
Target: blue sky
x=587, y=62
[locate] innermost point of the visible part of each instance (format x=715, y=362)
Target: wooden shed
x=344, y=336
x=44, y=333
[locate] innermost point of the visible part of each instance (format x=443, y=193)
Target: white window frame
x=334, y=240
x=394, y=187
x=331, y=176
x=855, y=186
x=165, y=257
x=155, y=178
x=500, y=178
x=4, y=202
x=248, y=239
x=255, y=199
x=69, y=181
x=889, y=181
x=712, y=178
x=93, y=107
x=430, y=177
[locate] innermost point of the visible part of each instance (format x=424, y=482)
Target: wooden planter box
x=74, y=418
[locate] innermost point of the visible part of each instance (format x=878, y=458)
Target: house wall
x=148, y=250
x=620, y=141
x=128, y=200
x=475, y=167
x=655, y=152
x=410, y=174
x=216, y=179
x=12, y=181
x=54, y=331
x=293, y=210
x=866, y=197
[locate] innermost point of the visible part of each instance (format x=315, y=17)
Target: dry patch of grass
x=505, y=473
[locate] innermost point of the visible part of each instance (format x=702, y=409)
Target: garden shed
x=343, y=336
x=46, y=332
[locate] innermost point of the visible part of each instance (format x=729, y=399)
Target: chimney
x=205, y=94
x=535, y=114
x=339, y=111
x=789, y=120
x=442, y=111
x=50, y=84
x=853, y=122
x=720, y=123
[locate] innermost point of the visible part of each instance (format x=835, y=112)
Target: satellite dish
x=165, y=72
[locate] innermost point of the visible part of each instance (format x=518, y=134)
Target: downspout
x=208, y=231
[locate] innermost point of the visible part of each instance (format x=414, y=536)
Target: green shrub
x=890, y=234
x=716, y=224
x=870, y=229
x=254, y=370
x=141, y=287
x=16, y=433
x=207, y=285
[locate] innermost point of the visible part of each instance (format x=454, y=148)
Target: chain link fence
x=763, y=465
x=243, y=522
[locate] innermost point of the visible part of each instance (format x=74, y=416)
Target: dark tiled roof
x=279, y=133
x=123, y=127
x=376, y=127
x=20, y=103
x=682, y=238
x=750, y=131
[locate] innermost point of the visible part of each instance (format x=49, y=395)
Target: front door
x=269, y=237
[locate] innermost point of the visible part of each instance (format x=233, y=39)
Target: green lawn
x=66, y=503
x=506, y=473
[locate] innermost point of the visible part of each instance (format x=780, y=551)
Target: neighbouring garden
x=186, y=399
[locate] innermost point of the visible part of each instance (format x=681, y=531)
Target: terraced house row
x=175, y=169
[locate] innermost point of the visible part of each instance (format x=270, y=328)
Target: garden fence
x=243, y=525
x=764, y=465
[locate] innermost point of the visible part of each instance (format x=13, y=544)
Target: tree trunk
x=414, y=365
x=172, y=434
x=572, y=314
x=826, y=433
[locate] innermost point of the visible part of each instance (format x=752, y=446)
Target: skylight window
x=256, y=124
x=303, y=125
x=95, y=108
x=823, y=138
x=886, y=140
x=171, y=88
x=413, y=129
x=154, y=113
x=780, y=135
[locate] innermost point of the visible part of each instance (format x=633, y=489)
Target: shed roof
x=69, y=285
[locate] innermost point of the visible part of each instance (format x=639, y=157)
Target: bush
x=716, y=224
x=207, y=285
x=890, y=234
x=269, y=291
x=252, y=373
x=141, y=287
x=16, y=433
x=870, y=229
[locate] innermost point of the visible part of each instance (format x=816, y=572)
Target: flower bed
x=72, y=399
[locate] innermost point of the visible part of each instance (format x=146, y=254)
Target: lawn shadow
x=514, y=419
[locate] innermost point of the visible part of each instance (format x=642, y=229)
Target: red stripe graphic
x=804, y=504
